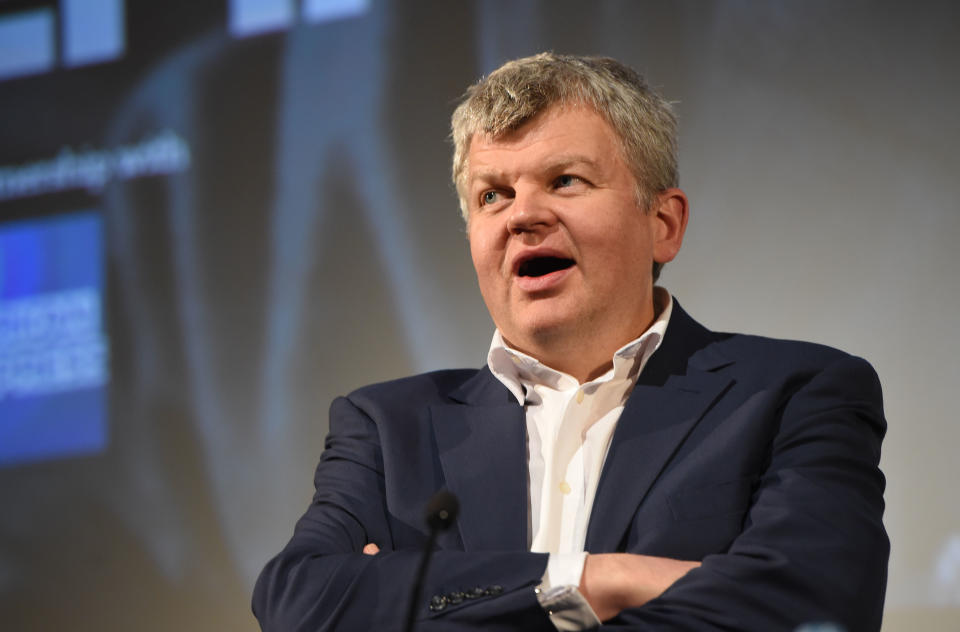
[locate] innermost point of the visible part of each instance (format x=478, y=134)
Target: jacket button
x=455, y=597
x=438, y=603
x=494, y=590
x=475, y=593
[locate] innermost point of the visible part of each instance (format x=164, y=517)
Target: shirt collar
x=519, y=371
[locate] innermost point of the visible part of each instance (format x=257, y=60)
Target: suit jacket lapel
x=482, y=444
x=674, y=391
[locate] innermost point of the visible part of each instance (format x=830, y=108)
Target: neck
x=585, y=355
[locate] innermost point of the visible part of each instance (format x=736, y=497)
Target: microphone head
x=442, y=510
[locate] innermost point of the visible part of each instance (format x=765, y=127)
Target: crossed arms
x=788, y=530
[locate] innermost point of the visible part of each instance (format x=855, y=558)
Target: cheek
x=484, y=252
x=476, y=257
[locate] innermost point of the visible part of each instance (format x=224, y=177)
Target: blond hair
x=519, y=90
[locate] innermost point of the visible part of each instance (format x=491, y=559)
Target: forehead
x=561, y=134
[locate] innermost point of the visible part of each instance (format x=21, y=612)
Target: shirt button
x=564, y=487
x=580, y=396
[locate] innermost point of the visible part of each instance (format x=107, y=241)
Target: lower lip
x=542, y=283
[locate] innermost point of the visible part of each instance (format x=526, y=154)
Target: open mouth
x=540, y=266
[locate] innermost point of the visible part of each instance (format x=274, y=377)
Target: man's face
x=563, y=253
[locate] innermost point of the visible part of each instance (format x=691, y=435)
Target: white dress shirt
x=569, y=428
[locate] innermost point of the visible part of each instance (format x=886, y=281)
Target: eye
x=488, y=197
x=566, y=180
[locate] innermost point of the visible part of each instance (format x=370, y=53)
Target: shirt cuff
x=560, y=596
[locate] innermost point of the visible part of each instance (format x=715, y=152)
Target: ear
x=670, y=212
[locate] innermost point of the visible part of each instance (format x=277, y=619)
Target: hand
x=371, y=549
x=612, y=582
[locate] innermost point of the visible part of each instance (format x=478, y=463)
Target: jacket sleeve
x=322, y=581
x=813, y=547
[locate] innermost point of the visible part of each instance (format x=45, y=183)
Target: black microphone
x=441, y=512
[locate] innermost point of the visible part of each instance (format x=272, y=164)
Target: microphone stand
x=441, y=512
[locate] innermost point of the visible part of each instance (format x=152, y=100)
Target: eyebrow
x=563, y=161
x=554, y=163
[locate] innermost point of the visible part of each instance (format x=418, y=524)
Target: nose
x=530, y=212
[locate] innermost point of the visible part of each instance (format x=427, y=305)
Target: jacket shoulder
x=767, y=358
x=423, y=387
x=774, y=349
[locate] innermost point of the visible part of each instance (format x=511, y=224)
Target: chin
x=543, y=331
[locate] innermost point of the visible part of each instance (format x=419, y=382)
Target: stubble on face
x=562, y=251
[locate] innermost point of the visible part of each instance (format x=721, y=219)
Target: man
x=614, y=461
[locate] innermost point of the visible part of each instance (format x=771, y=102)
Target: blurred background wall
x=217, y=216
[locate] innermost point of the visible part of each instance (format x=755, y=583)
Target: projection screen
x=216, y=217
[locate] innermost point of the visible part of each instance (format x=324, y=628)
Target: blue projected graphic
x=53, y=352
x=27, y=43
x=93, y=31
x=254, y=17
x=328, y=10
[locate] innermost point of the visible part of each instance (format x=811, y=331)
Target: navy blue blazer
x=758, y=457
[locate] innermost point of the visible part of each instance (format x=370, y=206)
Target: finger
x=371, y=549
